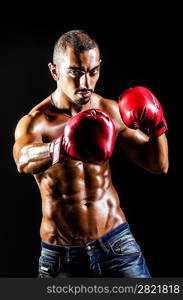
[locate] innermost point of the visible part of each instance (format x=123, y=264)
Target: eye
x=94, y=71
x=74, y=72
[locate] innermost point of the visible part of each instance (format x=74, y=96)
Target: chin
x=81, y=101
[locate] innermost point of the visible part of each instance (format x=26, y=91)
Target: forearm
x=157, y=154
x=149, y=153
x=34, y=158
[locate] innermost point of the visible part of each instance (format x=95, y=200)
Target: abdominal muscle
x=79, y=202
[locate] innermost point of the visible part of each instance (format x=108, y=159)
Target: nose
x=85, y=81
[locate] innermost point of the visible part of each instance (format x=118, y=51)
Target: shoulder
x=27, y=123
x=40, y=107
x=111, y=107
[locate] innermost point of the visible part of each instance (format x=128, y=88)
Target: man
x=66, y=142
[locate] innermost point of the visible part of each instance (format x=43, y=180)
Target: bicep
x=24, y=135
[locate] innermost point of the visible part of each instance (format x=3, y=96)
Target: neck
x=66, y=107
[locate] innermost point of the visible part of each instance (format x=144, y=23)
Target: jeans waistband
x=103, y=239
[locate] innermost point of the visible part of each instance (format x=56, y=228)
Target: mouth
x=84, y=93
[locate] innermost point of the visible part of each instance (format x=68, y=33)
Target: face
x=77, y=74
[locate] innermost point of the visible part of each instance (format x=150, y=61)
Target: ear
x=54, y=71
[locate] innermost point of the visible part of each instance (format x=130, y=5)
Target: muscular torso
x=79, y=202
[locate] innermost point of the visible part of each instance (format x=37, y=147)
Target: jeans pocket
x=126, y=248
x=48, y=268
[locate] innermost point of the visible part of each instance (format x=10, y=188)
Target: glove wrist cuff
x=55, y=149
x=159, y=130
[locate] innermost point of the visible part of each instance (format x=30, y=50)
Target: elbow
x=164, y=166
x=19, y=165
x=161, y=169
x=164, y=169
x=23, y=168
x=21, y=161
x=30, y=168
x=19, y=168
x=24, y=165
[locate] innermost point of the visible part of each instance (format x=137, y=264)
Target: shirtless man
x=84, y=231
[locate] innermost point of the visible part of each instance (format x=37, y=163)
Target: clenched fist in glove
x=139, y=108
x=88, y=136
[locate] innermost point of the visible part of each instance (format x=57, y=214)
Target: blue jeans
x=115, y=254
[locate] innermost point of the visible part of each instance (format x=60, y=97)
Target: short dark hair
x=79, y=40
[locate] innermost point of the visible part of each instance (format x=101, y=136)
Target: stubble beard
x=81, y=101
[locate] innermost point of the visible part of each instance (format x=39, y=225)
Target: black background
x=139, y=46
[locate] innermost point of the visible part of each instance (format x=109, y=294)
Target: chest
x=53, y=126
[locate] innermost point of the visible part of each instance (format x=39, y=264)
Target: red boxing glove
x=139, y=108
x=88, y=136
